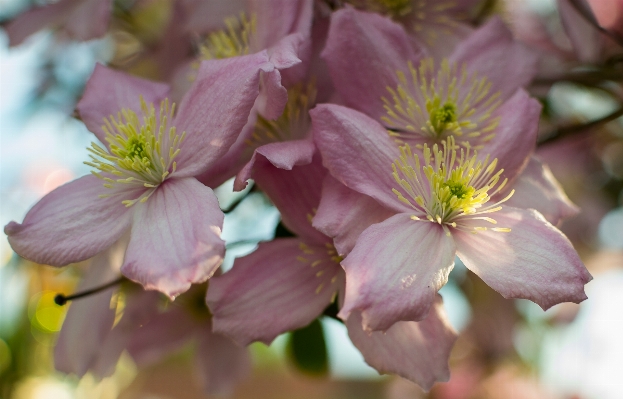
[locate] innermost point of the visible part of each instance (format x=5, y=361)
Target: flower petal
x=175, y=238
x=537, y=188
x=533, y=261
x=216, y=108
x=417, y=351
x=108, y=91
x=363, y=52
x=70, y=224
x=279, y=287
x=491, y=51
x=89, y=320
x=395, y=271
x=357, y=151
x=343, y=214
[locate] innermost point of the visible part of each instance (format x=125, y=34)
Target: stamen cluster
x=230, y=42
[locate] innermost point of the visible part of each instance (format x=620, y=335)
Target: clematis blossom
x=444, y=205
x=143, y=181
x=288, y=282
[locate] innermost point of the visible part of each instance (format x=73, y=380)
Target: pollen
x=294, y=122
x=433, y=103
x=141, y=152
x=232, y=41
x=450, y=184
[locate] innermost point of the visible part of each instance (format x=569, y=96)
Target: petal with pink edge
x=358, y=152
x=108, y=91
x=89, y=320
x=533, y=261
x=515, y=136
x=395, y=271
x=70, y=224
x=282, y=155
x=492, y=52
x=281, y=286
x=175, y=239
x=216, y=108
x=363, y=52
x=537, y=188
x=296, y=194
x=343, y=214
x=417, y=351
x=221, y=364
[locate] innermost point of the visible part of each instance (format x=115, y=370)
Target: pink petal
x=273, y=97
x=296, y=194
x=282, y=155
x=343, y=214
x=89, y=20
x=108, y=91
x=88, y=320
x=534, y=261
x=221, y=364
x=358, y=152
x=491, y=51
x=175, y=238
x=70, y=224
x=395, y=271
x=363, y=53
x=537, y=188
x=584, y=37
x=277, y=288
x=216, y=108
x=417, y=351
x=37, y=18
x=515, y=138
x=279, y=18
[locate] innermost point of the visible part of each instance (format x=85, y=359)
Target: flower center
x=294, y=122
x=230, y=42
x=326, y=262
x=141, y=154
x=452, y=187
x=437, y=102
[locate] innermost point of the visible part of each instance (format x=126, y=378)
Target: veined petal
x=70, y=224
x=363, y=52
x=515, y=136
x=417, y=351
x=281, y=286
x=537, y=188
x=216, y=108
x=358, y=152
x=108, y=91
x=343, y=214
x=395, y=271
x=492, y=52
x=533, y=261
x=175, y=240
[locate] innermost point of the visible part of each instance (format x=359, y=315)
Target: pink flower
x=143, y=176
x=444, y=204
x=286, y=283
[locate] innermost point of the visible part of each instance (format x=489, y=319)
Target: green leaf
x=308, y=350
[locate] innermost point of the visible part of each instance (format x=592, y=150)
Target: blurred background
x=506, y=349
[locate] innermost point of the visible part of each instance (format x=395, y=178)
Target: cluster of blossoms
x=392, y=136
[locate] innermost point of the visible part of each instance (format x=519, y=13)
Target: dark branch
x=61, y=299
x=575, y=129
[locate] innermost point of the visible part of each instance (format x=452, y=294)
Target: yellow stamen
x=230, y=42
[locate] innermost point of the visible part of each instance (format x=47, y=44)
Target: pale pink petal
x=537, y=188
x=363, y=52
x=279, y=287
x=277, y=19
x=70, y=224
x=221, y=364
x=395, y=271
x=216, y=108
x=533, y=261
x=175, y=240
x=296, y=194
x=358, y=152
x=515, y=136
x=88, y=320
x=273, y=97
x=417, y=351
x=37, y=18
x=491, y=51
x=584, y=36
x=343, y=214
x=108, y=91
x=205, y=16
x=89, y=19
x=282, y=155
